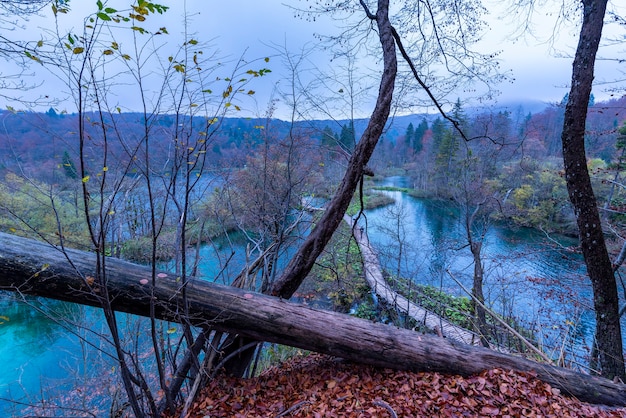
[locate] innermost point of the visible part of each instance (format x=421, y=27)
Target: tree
x=302, y=262
x=409, y=136
x=68, y=166
x=477, y=204
x=347, y=138
x=418, y=139
x=599, y=268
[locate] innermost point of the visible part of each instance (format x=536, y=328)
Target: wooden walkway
x=374, y=277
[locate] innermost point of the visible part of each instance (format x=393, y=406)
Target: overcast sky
x=255, y=28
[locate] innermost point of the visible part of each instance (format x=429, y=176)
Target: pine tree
x=69, y=167
x=418, y=138
x=328, y=137
x=346, y=138
x=409, y=135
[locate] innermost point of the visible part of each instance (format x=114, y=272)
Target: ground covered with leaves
x=320, y=386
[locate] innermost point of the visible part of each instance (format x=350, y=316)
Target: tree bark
x=599, y=268
x=35, y=268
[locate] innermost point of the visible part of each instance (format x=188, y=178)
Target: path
x=374, y=277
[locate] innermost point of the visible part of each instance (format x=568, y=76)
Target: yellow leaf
x=105, y=168
x=78, y=50
x=171, y=330
x=108, y=52
x=85, y=179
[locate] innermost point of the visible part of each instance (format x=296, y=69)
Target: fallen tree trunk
x=34, y=268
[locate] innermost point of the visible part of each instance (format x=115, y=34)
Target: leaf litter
x=317, y=385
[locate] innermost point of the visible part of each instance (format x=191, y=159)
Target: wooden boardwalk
x=374, y=277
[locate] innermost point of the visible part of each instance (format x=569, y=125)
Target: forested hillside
x=519, y=153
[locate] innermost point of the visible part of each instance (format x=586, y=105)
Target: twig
x=455, y=123
x=231, y=355
x=293, y=408
x=387, y=407
x=501, y=321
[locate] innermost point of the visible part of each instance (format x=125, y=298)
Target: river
x=533, y=277
x=526, y=276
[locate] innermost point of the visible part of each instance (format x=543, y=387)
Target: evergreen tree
x=69, y=167
x=409, y=135
x=458, y=113
x=328, y=137
x=346, y=138
x=418, y=138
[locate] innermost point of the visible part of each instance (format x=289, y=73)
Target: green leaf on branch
x=31, y=56
x=137, y=17
x=139, y=29
x=103, y=16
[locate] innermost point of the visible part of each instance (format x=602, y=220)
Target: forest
x=125, y=210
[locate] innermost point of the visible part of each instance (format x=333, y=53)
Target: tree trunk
x=35, y=268
x=302, y=262
x=599, y=268
x=478, y=300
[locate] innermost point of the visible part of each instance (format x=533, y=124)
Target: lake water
x=526, y=276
